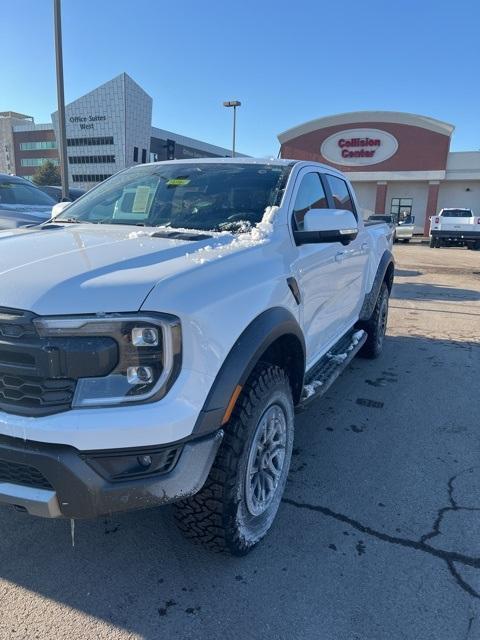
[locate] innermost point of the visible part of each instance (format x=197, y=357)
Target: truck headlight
x=149, y=355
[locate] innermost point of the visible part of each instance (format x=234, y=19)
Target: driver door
x=315, y=267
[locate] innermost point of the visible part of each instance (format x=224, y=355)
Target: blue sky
x=287, y=61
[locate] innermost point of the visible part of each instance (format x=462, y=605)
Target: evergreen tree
x=47, y=174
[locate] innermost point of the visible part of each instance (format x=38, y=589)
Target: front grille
x=31, y=379
x=22, y=474
x=39, y=394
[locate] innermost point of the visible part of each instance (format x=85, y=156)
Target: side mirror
x=327, y=225
x=58, y=208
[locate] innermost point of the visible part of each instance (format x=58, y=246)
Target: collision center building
x=397, y=162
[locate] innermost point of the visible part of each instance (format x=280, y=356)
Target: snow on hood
x=257, y=235
x=82, y=268
x=86, y=268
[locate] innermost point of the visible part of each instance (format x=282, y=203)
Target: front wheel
x=240, y=499
x=376, y=326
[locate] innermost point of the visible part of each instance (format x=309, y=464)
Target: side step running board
x=324, y=373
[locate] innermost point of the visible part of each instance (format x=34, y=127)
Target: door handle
x=339, y=256
x=364, y=246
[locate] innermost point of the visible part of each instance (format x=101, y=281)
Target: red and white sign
x=359, y=147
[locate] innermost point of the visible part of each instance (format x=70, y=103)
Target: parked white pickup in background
x=455, y=226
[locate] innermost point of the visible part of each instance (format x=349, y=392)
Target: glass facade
x=91, y=177
x=36, y=146
x=87, y=142
x=37, y=162
x=91, y=159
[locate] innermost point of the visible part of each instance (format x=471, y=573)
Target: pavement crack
x=470, y=623
x=454, y=506
x=461, y=582
x=449, y=557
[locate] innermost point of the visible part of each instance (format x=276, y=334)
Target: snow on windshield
x=257, y=235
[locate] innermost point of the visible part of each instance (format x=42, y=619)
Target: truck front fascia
x=59, y=481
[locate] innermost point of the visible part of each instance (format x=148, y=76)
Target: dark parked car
x=22, y=203
x=55, y=192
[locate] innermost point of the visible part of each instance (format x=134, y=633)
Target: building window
x=87, y=142
x=310, y=195
x=340, y=193
x=93, y=177
x=91, y=159
x=37, y=162
x=144, y=156
x=135, y=154
x=36, y=146
x=401, y=208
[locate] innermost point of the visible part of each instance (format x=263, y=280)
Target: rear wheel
x=432, y=243
x=239, y=501
x=376, y=326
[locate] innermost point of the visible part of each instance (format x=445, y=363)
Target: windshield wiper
x=181, y=235
x=72, y=221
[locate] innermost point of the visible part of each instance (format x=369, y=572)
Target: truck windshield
x=457, y=213
x=204, y=196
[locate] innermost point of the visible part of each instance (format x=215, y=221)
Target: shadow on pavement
x=421, y=291
x=407, y=273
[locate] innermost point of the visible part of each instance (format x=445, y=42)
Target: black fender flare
x=385, y=272
x=260, y=334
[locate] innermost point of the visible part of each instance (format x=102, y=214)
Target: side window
x=310, y=195
x=340, y=194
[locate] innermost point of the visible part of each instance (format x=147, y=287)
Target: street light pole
x=234, y=104
x=62, y=147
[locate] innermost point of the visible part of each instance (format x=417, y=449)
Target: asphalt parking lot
x=378, y=535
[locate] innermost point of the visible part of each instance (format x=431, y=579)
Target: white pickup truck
x=455, y=226
x=157, y=336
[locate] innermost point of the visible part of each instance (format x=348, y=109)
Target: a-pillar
x=432, y=199
x=381, y=198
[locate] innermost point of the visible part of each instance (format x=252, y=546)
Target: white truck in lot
x=455, y=227
x=158, y=335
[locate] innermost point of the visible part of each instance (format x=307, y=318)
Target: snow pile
x=309, y=389
x=340, y=357
x=137, y=234
x=356, y=339
x=256, y=236
x=337, y=357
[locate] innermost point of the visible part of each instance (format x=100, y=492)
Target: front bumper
x=59, y=481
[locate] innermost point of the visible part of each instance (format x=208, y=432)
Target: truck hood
x=57, y=270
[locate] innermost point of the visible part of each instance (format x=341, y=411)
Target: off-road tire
x=376, y=326
x=218, y=515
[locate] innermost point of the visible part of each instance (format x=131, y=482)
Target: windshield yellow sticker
x=178, y=182
x=140, y=203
